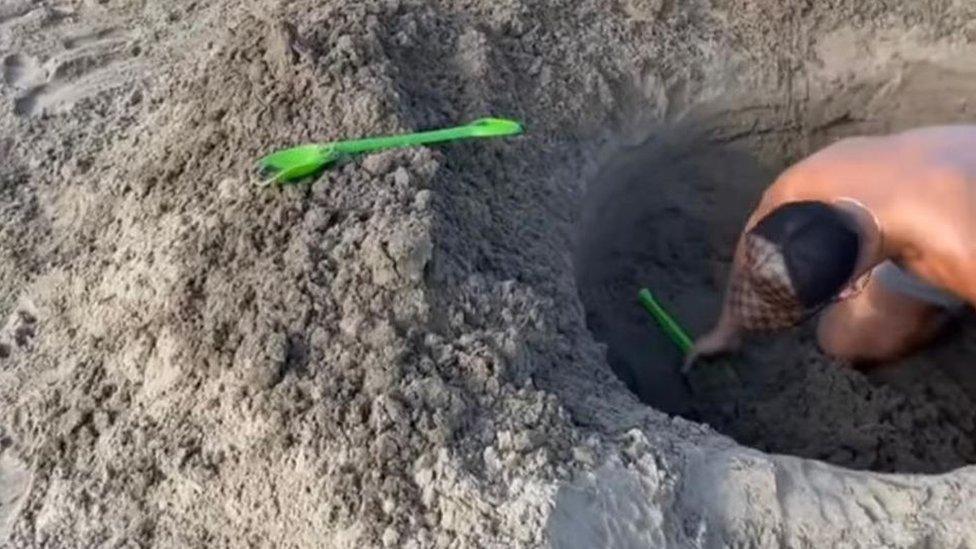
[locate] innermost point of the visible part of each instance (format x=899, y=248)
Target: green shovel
x=668, y=324
x=307, y=160
x=674, y=331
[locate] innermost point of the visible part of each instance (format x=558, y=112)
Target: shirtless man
x=878, y=232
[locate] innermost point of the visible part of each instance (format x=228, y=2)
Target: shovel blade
x=296, y=163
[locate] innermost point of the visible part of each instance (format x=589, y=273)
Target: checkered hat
x=761, y=296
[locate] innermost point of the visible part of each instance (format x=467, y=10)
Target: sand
x=396, y=354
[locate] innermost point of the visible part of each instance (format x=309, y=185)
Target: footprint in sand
x=19, y=69
x=92, y=62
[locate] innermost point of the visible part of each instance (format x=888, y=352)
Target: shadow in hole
x=664, y=214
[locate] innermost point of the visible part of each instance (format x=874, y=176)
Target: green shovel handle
x=306, y=160
x=484, y=127
x=664, y=320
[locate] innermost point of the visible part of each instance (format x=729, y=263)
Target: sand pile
x=396, y=354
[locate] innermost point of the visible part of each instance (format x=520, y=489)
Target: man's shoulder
x=945, y=131
x=948, y=135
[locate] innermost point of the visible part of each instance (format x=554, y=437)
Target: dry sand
x=396, y=354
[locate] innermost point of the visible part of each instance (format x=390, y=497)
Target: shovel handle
x=484, y=127
x=664, y=320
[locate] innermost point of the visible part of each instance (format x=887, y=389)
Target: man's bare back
x=920, y=184
x=912, y=199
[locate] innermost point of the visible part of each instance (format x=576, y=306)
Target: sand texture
x=400, y=353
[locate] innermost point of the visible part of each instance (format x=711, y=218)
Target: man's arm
x=726, y=335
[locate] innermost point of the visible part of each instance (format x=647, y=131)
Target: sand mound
x=396, y=354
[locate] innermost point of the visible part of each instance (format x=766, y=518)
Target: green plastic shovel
x=677, y=334
x=670, y=327
x=307, y=160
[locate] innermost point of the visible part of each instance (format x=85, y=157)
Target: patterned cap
x=761, y=295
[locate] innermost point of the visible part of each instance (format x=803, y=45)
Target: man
x=878, y=232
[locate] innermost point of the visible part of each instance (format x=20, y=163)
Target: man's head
x=795, y=260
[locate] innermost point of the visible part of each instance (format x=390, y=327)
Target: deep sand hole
x=665, y=215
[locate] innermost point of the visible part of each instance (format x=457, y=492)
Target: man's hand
x=722, y=339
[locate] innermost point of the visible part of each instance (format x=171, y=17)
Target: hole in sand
x=665, y=215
